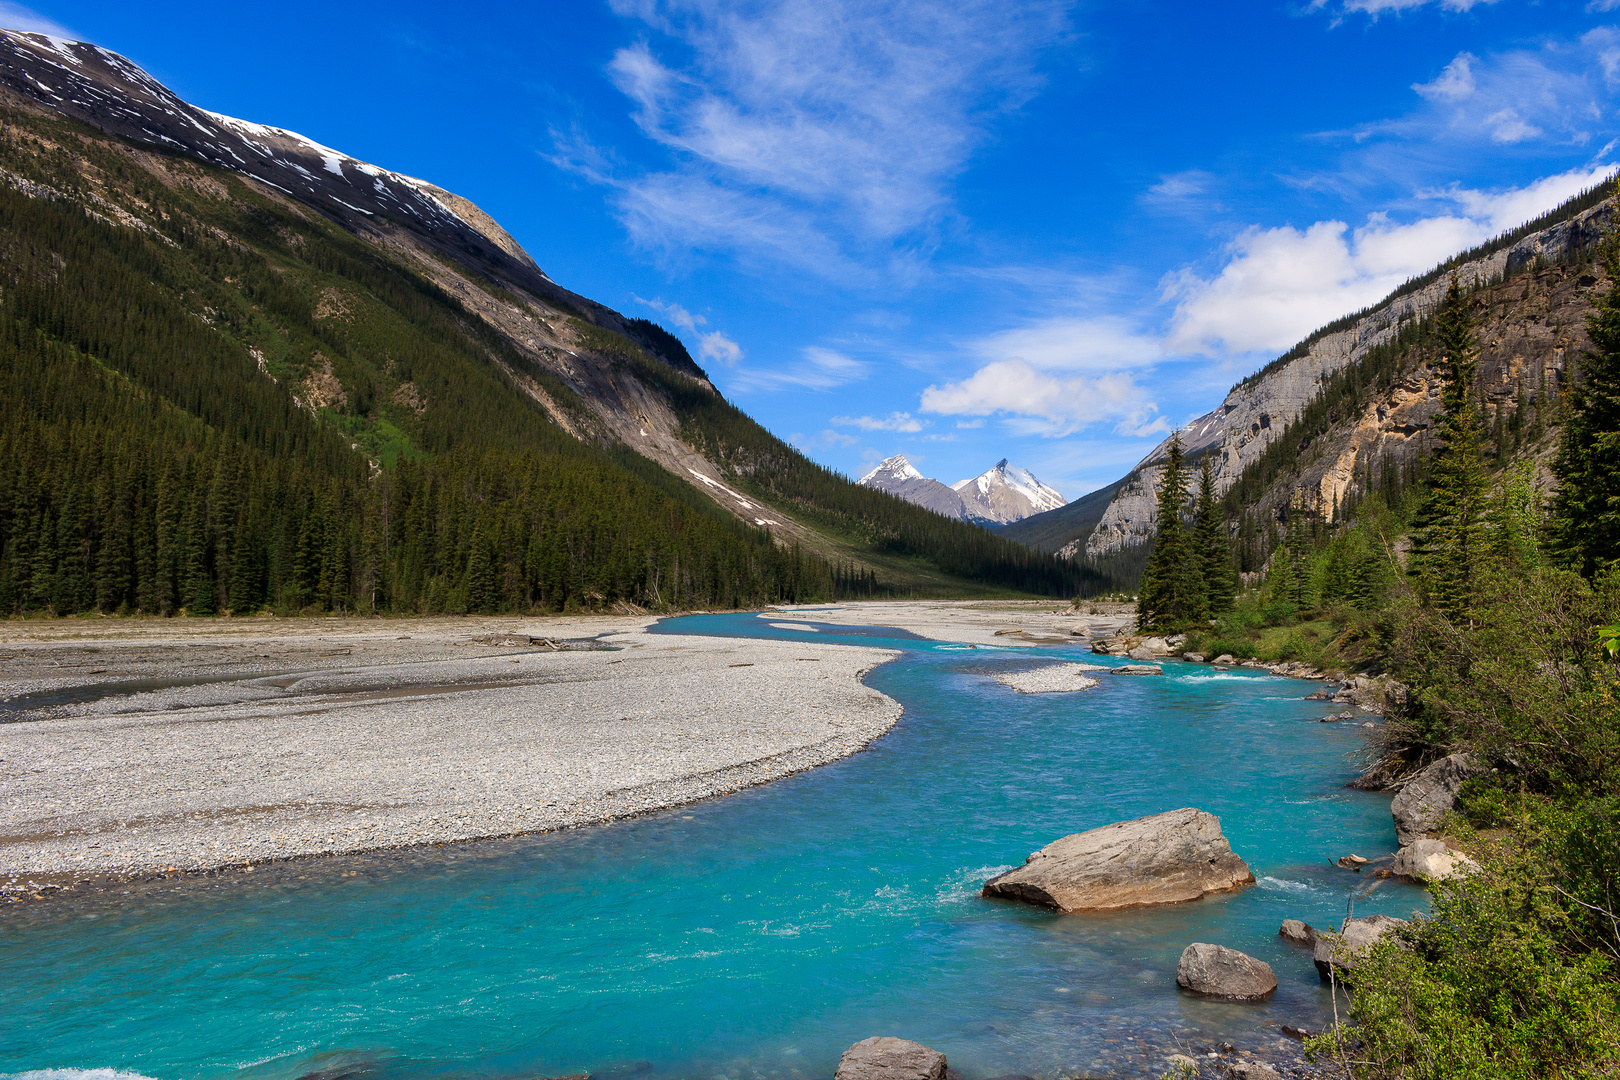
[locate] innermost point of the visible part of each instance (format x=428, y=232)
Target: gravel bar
x=445, y=730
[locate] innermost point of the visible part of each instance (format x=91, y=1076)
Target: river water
x=756, y=935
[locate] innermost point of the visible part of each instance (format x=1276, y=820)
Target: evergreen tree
x=1170, y=596
x=1450, y=537
x=1213, y=547
x=1585, y=524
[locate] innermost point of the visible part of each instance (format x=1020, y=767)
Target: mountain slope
x=305, y=299
x=1259, y=418
x=899, y=478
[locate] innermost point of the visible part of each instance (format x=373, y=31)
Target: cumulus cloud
x=1279, y=284
x=1042, y=402
x=1073, y=343
x=813, y=132
x=895, y=421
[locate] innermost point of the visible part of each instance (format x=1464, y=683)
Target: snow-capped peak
x=896, y=468
x=1004, y=492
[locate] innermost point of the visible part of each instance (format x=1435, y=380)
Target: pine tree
x=1450, y=536
x=1213, y=547
x=1585, y=528
x=1169, y=596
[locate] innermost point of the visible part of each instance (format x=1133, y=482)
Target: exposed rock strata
x=1526, y=340
x=1168, y=858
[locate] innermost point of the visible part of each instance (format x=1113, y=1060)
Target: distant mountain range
x=1002, y=494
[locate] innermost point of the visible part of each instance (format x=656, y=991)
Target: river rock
x=1139, y=669
x=1224, y=658
x=1426, y=859
x=1296, y=932
x=1251, y=1070
x=1164, y=859
x=1352, y=862
x=1193, y=657
x=886, y=1058
x=1425, y=798
x=1345, y=949
x=1142, y=652
x=1216, y=971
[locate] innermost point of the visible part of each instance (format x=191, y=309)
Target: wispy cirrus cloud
x=817, y=368
x=895, y=421
x=17, y=17
x=1376, y=8
x=712, y=344
x=820, y=134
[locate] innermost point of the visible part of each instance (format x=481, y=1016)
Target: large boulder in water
x=1425, y=798
x=1345, y=949
x=886, y=1058
x=1216, y=971
x=1164, y=859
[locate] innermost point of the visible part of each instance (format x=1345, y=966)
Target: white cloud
x=895, y=421
x=1555, y=94
x=827, y=439
x=18, y=17
x=813, y=132
x=1042, y=403
x=1279, y=284
x=817, y=369
x=1454, y=83
x=675, y=313
x=716, y=346
x=712, y=345
x=1073, y=343
x=1376, y=8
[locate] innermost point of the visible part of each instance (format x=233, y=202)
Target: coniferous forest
x=243, y=407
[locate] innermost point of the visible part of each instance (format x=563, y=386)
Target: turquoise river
x=751, y=936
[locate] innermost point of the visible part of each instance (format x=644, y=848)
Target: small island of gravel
x=134, y=747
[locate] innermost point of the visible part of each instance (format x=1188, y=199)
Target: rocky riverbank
x=136, y=748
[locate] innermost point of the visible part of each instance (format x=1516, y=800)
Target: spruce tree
x=1213, y=547
x=1450, y=537
x=1169, y=596
x=1586, y=509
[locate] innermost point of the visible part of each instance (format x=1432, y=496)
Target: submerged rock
x=886, y=1058
x=1431, y=860
x=1345, y=949
x=1425, y=798
x=1168, y=858
x=1352, y=862
x=1296, y=932
x=1216, y=971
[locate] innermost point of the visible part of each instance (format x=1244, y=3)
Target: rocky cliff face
x=1537, y=333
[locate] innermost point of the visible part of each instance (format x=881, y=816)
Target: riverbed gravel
x=1052, y=679
x=456, y=731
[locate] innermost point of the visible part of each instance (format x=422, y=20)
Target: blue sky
x=960, y=230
